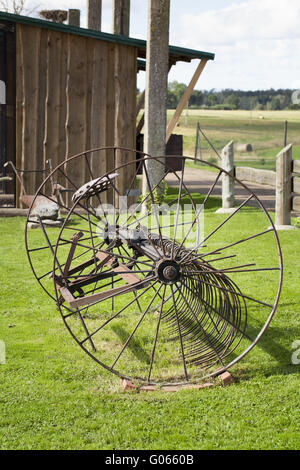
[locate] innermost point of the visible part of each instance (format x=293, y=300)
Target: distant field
x=264, y=130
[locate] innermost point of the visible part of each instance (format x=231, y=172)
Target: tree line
x=232, y=99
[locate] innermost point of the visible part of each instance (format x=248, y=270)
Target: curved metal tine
x=235, y=293
x=180, y=336
x=178, y=205
x=236, y=270
x=218, y=259
x=221, y=224
x=247, y=270
x=134, y=330
x=153, y=203
x=204, y=301
x=210, y=269
x=222, y=316
x=114, y=315
x=156, y=333
x=234, y=243
x=202, y=329
x=201, y=209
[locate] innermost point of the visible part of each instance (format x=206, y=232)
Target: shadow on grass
x=271, y=343
x=133, y=345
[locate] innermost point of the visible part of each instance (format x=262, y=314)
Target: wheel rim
x=189, y=316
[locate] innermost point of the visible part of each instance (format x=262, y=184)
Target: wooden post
x=283, y=187
x=157, y=65
x=227, y=157
x=94, y=11
x=74, y=17
x=285, y=134
x=140, y=104
x=197, y=141
x=121, y=17
x=185, y=98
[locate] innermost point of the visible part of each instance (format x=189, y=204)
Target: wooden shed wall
x=73, y=93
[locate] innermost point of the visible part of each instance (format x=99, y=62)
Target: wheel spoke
x=145, y=259
x=180, y=336
x=134, y=330
x=116, y=314
x=156, y=333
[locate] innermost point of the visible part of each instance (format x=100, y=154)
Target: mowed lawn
x=264, y=130
x=53, y=396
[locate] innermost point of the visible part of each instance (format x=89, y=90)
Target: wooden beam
x=296, y=166
x=296, y=185
x=283, y=187
x=296, y=204
x=140, y=103
x=74, y=17
x=157, y=65
x=185, y=98
x=256, y=176
x=121, y=17
x=139, y=106
x=94, y=11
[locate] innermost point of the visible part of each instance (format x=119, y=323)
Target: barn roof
x=175, y=53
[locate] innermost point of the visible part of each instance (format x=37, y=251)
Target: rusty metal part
x=94, y=187
x=152, y=308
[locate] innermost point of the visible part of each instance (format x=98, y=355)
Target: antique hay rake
x=158, y=295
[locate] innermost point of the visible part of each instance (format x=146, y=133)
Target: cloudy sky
x=256, y=42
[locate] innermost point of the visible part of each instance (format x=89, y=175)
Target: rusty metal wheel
x=157, y=291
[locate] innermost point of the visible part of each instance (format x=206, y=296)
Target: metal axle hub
x=168, y=271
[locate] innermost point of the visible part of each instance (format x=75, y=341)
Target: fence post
x=227, y=164
x=283, y=188
x=197, y=141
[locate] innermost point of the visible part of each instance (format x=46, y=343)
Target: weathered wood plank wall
x=73, y=94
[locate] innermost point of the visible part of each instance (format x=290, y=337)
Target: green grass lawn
x=53, y=396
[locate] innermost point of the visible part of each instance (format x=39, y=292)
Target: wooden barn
x=63, y=90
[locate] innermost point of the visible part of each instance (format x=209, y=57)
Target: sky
x=256, y=42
